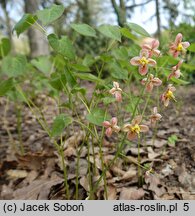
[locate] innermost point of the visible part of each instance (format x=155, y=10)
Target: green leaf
x=14, y=66
x=133, y=103
x=50, y=14
x=121, y=53
x=78, y=89
x=42, y=63
x=106, y=57
x=62, y=46
x=5, y=47
x=59, y=124
x=110, y=31
x=179, y=81
x=138, y=29
x=126, y=33
x=80, y=67
x=84, y=29
x=88, y=60
x=189, y=67
x=70, y=77
x=163, y=60
x=108, y=100
x=97, y=116
x=24, y=23
x=117, y=72
x=6, y=86
x=172, y=139
x=88, y=76
x=59, y=62
x=191, y=48
x=57, y=81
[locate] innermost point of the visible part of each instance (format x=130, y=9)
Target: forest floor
x=38, y=173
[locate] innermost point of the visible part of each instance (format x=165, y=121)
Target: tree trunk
x=86, y=15
x=158, y=19
x=38, y=44
x=7, y=21
x=120, y=11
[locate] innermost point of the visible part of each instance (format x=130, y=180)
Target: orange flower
x=116, y=91
x=111, y=126
x=152, y=48
x=133, y=130
x=175, y=70
x=178, y=46
x=143, y=61
x=168, y=95
x=152, y=81
x=155, y=116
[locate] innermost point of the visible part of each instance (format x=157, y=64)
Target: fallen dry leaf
x=117, y=171
x=84, y=183
x=134, y=151
x=6, y=192
x=151, y=153
x=167, y=170
x=112, y=192
x=128, y=175
x=70, y=151
x=131, y=193
x=17, y=173
x=154, y=184
x=38, y=189
x=75, y=139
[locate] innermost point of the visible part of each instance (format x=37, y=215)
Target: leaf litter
x=38, y=173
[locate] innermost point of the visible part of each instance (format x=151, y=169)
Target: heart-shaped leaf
x=84, y=29
x=62, y=46
x=5, y=86
x=88, y=76
x=14, y=66
x=51, y=14
x=110, y=31
x=138, y=29
x=60, y=122
x=80, y=67
x=97, y=116
x=24, y=23
x=42, y=63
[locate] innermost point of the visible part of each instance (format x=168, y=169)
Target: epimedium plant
x=62, y=74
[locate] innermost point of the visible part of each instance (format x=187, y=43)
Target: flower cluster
x=133, y=130
x=144, y=61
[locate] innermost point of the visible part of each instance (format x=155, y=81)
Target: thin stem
x=135, y=108
x=6, y=126
x=102, y=163
x=19, y=129
x=86, y=127
x=154, y=134
x=134, y=161
x=139, y=162
x=90, y=176
x=41, y=27
x=65, y=173
x=146, y=104
x=121, y=145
